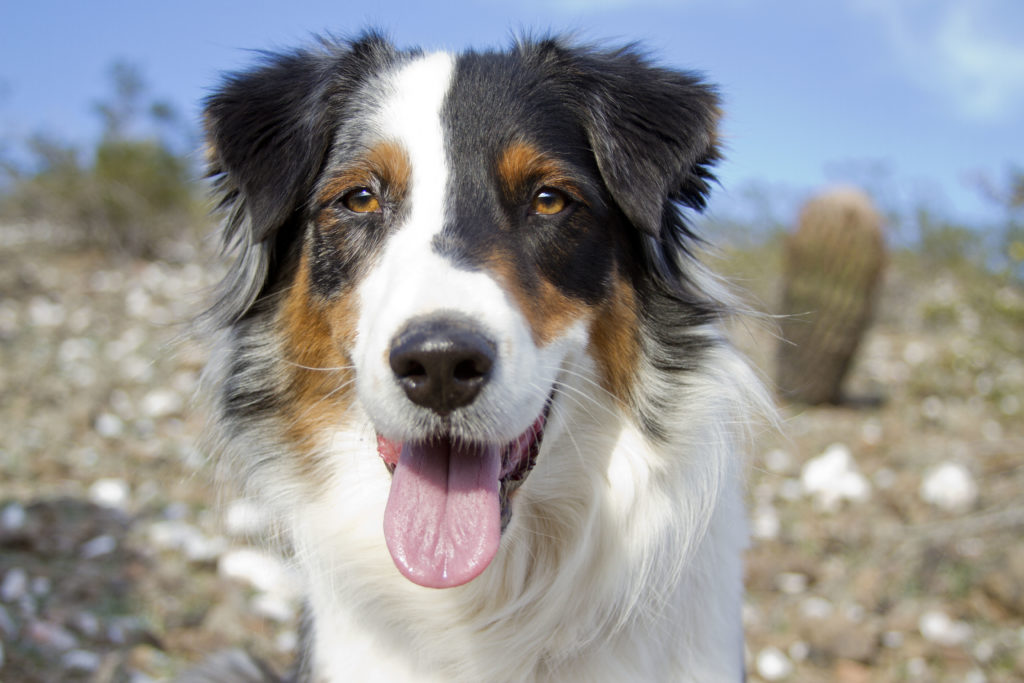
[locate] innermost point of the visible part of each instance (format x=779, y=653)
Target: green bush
x=132, y=193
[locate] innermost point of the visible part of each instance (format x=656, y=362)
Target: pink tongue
x=442, y=522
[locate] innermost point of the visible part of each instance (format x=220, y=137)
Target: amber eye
x=548, y=201
x=361, y=200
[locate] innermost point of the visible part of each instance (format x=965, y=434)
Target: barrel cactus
x=832, y=269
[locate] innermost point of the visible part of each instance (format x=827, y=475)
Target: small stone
x=287, y=641
x=791, y=583
x=816, y=608
x=778, y=461
x=274, y=606
x=161, y=403
x=892, y=639
x=7, y=625
x=98, y=547
x=123, y=629
x=51, y=636
x=261, y=570
x=15, y=585
x=917, y=667
x=871, y=432
x=937, y=627
x=832, y=477
x=174, y=534
x=41, y=586
x=43, y=313
x=790, y=489
x=244, y=518
x=932, y=408
x=764, y=523
x=838, y=637
x=949, y=486
x=81, y=661
x=13, y=517
x=773, y=665
x=110, y=493
x=86, y=623
x=109, y=425
x=1009, y=405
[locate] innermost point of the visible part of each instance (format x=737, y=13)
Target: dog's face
x=444, y=238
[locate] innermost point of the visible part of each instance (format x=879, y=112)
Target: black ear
x=652, y=131
x=268, y=130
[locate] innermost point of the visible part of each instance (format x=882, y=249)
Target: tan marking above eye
x=361, y=200
x=548, y=201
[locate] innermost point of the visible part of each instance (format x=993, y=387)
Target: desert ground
x=887, y=531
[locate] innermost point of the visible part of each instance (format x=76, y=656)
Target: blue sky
x=913, y=97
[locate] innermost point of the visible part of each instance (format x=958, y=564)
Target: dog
x=467, y=360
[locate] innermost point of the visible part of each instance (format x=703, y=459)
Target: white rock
x=176, y=534
x=937, y=627
x=790, y=489
x=773, y=665
x=161, y=403
x=893, y=639
x=916, y=352
x=975, y=676
x=1009, y=405
x=287, y=641
x=275, y=606
x=110, y=493
x=791, y=583
x=44, y=313
x=41, y=586
x=244, y=518
x=109, y=425
x=13, y=517
x=81, y=661
x=261, y=570
x=949, y=486
x=832, y=477
x=764, y=523
x=933, y=408
x=778, y=461
x=816, y=608
x=98, y=547
x=15, y=585
x=871, y=432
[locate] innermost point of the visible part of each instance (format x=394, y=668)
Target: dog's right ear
x=268, y=130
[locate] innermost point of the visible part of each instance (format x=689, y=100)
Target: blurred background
x=887, y=514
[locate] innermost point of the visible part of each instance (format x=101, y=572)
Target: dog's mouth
x=450, y=501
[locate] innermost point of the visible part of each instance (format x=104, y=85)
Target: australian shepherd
x=466, y=358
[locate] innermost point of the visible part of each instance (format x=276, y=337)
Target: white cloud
x=969, y=53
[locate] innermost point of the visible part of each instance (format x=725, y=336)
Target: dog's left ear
x=268, y=129
x=652, y=131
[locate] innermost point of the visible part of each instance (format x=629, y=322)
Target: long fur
x=622, y=561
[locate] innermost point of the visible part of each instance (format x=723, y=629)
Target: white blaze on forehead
x=410, y=279
x=411, y=115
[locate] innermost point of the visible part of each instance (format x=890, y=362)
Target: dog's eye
x=361, y=200
x=548, y=201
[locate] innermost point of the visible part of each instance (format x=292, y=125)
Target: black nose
x=442, y=363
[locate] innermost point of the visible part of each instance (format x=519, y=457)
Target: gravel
x=886, y=534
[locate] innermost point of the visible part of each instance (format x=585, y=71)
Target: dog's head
x=436, y=240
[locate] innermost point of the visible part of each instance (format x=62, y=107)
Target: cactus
x=833, y=266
